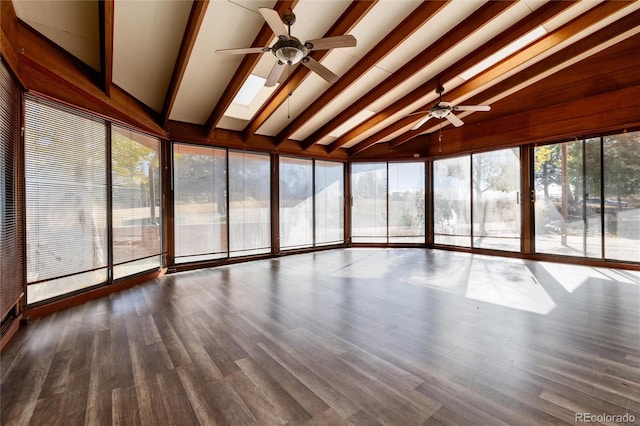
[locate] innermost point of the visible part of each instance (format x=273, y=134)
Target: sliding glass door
x=388, y=202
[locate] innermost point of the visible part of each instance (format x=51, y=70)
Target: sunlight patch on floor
x=509, y=284
x=571, y=276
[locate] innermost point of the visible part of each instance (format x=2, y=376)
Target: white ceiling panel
x=72, y=25
x=445, y=19
x=208, y=74
x=147, y=38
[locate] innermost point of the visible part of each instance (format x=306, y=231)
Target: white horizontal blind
x=200, y=202
x=66, y=199
x=296, y=203
x=249, y=203
x=11, y=228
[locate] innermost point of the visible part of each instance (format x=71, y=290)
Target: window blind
x=66, y=199
x=200, y=202
x=296, y=202
x=11, y=236
x=249, y=203
x=329, y=202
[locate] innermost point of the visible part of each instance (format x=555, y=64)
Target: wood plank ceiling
x=161, y=54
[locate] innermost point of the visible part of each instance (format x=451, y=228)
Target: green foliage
x=131, y=161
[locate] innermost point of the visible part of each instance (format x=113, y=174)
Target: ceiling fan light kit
x=445, y=110
x=289, y=50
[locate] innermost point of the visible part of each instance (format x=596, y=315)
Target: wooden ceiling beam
x=47, y=69
x=563, y=121
x=467, y=27
x=196, y=16
x=487, y=78
x=192, y=133
x=264, y=38
x=592, y=44
x=449, y=40
x=106, y=13
x=416, y=19
x=351, y=16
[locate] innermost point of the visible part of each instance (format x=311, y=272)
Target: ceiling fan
x=445, y=110
x=289, y=50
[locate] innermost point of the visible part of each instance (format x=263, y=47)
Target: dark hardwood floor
x=359, y=337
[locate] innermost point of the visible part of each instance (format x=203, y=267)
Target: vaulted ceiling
x=162, y=55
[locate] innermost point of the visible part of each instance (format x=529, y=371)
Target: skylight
x=249, y=90
x=509, y=49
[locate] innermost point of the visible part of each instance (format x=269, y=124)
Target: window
x=200, y=202
x=66, y=200
x=452, y=201
x=11, y=177
x=568, y=202
x=137, y=213
x=369, y=209
x=388, y=202
x=296, y=203
x=621, y=155
x=249, y=203
x=329, y=202
x=496, y=199
x=583, y=187
x=406, y=203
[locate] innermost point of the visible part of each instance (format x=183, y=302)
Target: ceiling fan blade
x=421, y=122
x=274, y=21
x=472, y=108
x=454, y=120
x=275, y=74
x=331, y=42
x=242, y=51
x=426, y=111
x=320, y=69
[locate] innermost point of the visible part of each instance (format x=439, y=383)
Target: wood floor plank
x=277, y=395
x=262, y=409
x=354, y=337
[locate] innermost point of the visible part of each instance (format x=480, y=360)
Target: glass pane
x=329, y=202
x=406, y=202
x=496, y=207
x=568, y=205
x=369, y=209
x=66, y=193
x=200, y=203
x=58, y=287
x=622, y=196
x=136, y=193
x=249, y=203
x=296, y=203
x=452, y=201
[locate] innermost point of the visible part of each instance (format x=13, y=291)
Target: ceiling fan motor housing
x=441, y=109
x=290, y=51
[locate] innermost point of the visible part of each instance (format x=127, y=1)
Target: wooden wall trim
x=58, y=305
x=617, y=110
x=45, y=68
x=10, y=332
x=187, y=132
x=9, y=37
